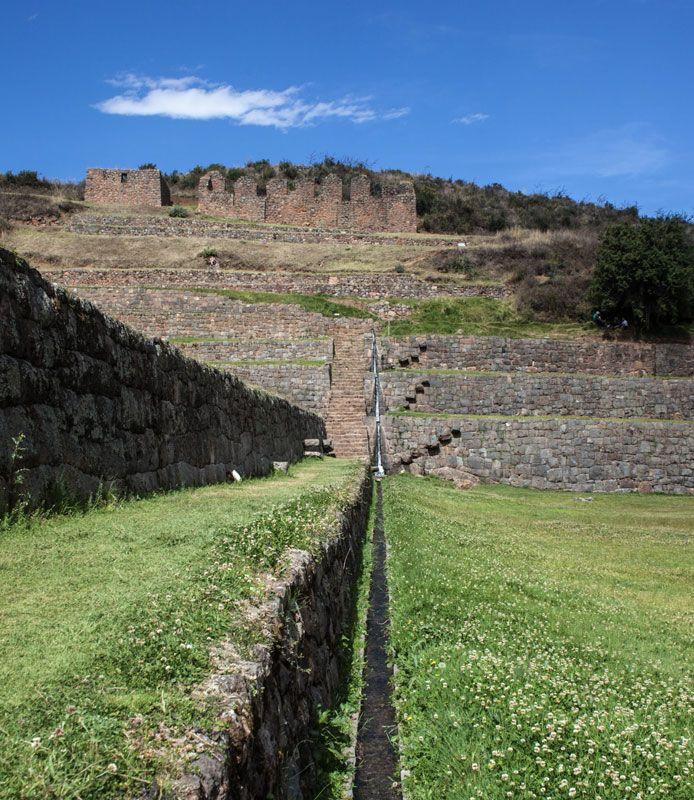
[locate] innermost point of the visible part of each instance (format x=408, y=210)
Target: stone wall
x=575, y=454
x=169, y=313
x=308, y=203
x=306, y=386
x=367, y=285
x=98, y=404
x=253, y=349
x=260, y=746
x=127, y=187
x=538, y=394
x=156, y=225
x=539, y=355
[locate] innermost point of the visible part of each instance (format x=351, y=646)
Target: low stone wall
x=367, y=285
x=153, y=225
x=579, y=455
x=98, y=404
x=539, y=355
x=261, y=746
x=538, y=394
x=253, y=349
x=306, y=386
x=174, y=313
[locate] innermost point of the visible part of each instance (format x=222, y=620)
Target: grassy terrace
x=107, y=618
x=543, y=645
x=481, y=316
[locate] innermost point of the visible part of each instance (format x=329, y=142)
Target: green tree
x=645, y=273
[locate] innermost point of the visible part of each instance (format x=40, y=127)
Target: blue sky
x=595, y=98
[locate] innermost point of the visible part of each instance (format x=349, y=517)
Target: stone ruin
x=308, y=202
x=127, y=187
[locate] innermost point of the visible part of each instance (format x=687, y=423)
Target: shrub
x=399, y=268
x=26, y=178
x=179, y=211
x=148, y=165
x=208, y=252
x=645, y=273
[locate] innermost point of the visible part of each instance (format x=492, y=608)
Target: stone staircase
x=346, y=418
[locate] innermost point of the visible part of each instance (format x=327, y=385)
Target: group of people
x=601, y=322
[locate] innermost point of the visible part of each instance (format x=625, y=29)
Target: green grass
x=316, y=303
x=479, y=316
x=543, y=645
x=108, y=617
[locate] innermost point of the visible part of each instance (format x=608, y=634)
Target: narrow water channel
x=377, y=765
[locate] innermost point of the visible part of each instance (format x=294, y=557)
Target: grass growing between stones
x=107, y=618
x=543, y=645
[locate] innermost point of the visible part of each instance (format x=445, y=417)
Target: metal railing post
x=379, y=473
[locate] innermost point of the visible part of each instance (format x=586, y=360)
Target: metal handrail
x=379, y=473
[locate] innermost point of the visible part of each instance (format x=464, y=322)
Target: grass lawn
x=107, y=617
x=543, y=645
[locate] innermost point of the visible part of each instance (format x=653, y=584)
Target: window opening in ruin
x=209, y=185
x=123, y=177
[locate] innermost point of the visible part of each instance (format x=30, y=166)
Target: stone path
x=346, y=418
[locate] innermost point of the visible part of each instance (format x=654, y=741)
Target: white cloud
x=190, y=97
x=470, y=119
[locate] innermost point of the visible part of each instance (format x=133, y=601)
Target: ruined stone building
x=127, y=187
x=307, y=202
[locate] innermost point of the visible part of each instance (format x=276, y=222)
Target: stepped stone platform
x=364, y=285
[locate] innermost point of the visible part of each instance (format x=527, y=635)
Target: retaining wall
x=538, y=394
x=97, y=403
x=253, y=349
x=172, y=313
x=575, y=454
x=368, y=285
x=261, y=747
x=305, y=386
x=154, y=225
x=539, y=355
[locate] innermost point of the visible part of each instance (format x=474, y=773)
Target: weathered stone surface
x=306, y=202
x=127, y=187
x=364, y=284
x=98, y=404
x=490, y=353
x=260, y=746
x=538, y=394
x=575, y=454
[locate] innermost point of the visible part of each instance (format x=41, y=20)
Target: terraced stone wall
x=576, y=454
x=154, y=225
x=93, y=402
x=307, y=386
x=539, y=355
x=375, y=286
x=170, y=313
x=538, y=394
